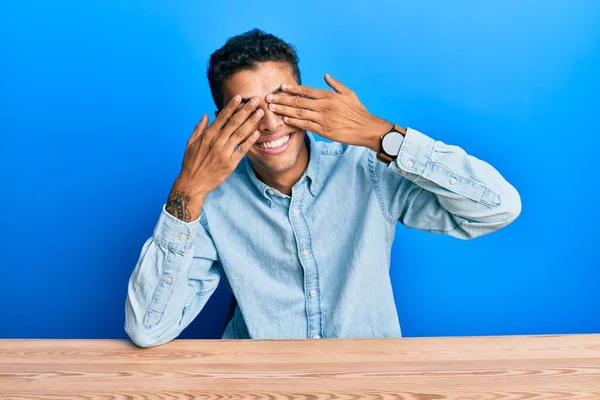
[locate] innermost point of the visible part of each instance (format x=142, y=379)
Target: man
x=303, y=229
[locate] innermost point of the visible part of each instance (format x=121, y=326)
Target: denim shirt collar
x=311, y=171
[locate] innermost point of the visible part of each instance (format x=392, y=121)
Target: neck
x=284, y=181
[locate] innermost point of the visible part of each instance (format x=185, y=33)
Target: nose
x=270, y=122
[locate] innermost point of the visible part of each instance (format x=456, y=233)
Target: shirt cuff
x=178, y=235
x=415, y=151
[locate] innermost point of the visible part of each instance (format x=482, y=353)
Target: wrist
x=377, y=129
x=185, y=201
x=182, y=184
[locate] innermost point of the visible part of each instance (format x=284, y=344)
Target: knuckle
x=300, y=112
x=240, y=134
x=221, y=117
x=235, y=120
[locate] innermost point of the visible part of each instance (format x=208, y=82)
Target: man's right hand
x=211, y=156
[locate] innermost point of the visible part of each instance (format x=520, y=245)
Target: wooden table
x=501, y=367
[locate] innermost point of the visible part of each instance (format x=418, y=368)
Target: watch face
x=391, y=143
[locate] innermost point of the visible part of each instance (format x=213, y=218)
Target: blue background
x=98, y=98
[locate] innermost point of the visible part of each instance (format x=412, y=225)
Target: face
x=279, y=144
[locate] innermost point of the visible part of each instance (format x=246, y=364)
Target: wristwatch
x=390, y=144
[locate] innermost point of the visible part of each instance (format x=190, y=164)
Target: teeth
x=275, y=143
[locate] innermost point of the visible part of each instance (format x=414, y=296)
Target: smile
x=275, y=146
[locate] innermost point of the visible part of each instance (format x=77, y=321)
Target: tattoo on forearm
x=177, y=206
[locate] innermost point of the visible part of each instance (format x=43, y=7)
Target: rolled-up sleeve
x=439, y=188
x=175, y=275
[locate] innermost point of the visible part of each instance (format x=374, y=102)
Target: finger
x=244, y=147
x=299, y=113
x=200, y=127
x=236, y=120
x=294, y=101
x=245, y=130
x=305, y=91
x=337, y=85
x=227, y=112
x=304, y=124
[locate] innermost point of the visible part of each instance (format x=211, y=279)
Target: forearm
x=445, y=190
x=162, y=297
x=455, y=177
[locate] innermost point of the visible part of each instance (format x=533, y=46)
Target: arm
x=176, y=274
x=177, y=270
x=432, y=186
x=440, y=188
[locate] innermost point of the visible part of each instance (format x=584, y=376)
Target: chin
x=284, y=163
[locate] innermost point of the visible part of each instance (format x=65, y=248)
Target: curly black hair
x=246, y=51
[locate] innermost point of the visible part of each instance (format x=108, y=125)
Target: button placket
x=302, y=235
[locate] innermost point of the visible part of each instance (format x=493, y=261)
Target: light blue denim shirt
x=314, y=264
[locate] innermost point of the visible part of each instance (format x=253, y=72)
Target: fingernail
x=259, y=112
x=286, y=119
x=237, y=97
x=284, y=86
x=269, y=97
x=272, y=106
x=254, y=101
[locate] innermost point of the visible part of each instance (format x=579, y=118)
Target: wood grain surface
x=487, y=368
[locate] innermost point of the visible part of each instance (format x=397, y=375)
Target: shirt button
x=452, y=181
x=271, y=192
x=305, y=252
x=169, y=280
x=182, y=236
x=409, y=164
x=296, y=211
x=313, y=293
x=316, y=337
x=403, y=172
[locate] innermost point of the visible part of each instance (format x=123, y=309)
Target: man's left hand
x=339, y=115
